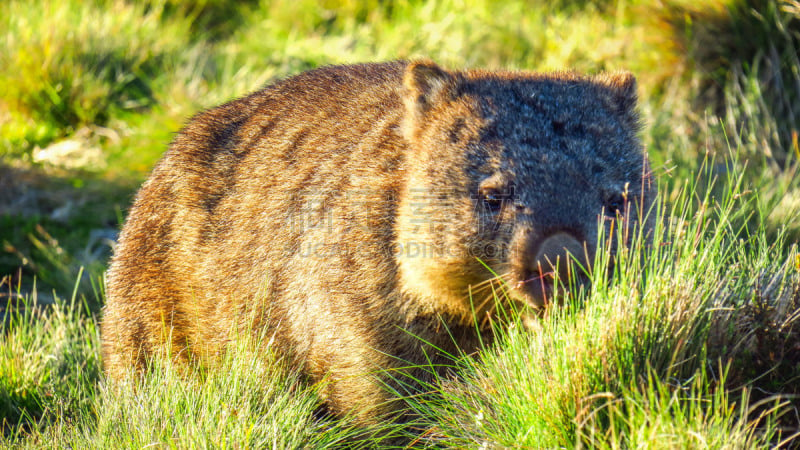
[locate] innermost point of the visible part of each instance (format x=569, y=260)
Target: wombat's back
x=242, y=188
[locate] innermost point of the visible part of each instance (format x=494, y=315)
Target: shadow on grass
x=52, y=224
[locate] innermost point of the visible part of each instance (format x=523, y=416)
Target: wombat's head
x=517, y=171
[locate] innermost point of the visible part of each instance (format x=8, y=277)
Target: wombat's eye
x=493, y=199
x=493, y=202
x=614, y=205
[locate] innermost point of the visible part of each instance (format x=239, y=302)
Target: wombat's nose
x=558, y=254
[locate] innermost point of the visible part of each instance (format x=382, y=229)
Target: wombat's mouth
x=541, y=289
x=537, y=290
x=554, y=270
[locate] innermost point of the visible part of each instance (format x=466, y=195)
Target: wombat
x=359, y=213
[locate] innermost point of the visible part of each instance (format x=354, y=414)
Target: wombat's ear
x=624, y=96
x=424, y=85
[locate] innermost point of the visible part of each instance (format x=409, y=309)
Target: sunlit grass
x=52, y=394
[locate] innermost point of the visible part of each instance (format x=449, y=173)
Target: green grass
x=692, y=341
x=50, y=363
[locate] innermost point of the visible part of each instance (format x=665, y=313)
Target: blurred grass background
x=91, y=93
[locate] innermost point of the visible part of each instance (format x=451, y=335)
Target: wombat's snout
x=559, y=255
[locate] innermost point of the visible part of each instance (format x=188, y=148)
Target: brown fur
x=343, y=210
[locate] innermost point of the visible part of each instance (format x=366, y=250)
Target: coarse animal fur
x=350, y=210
